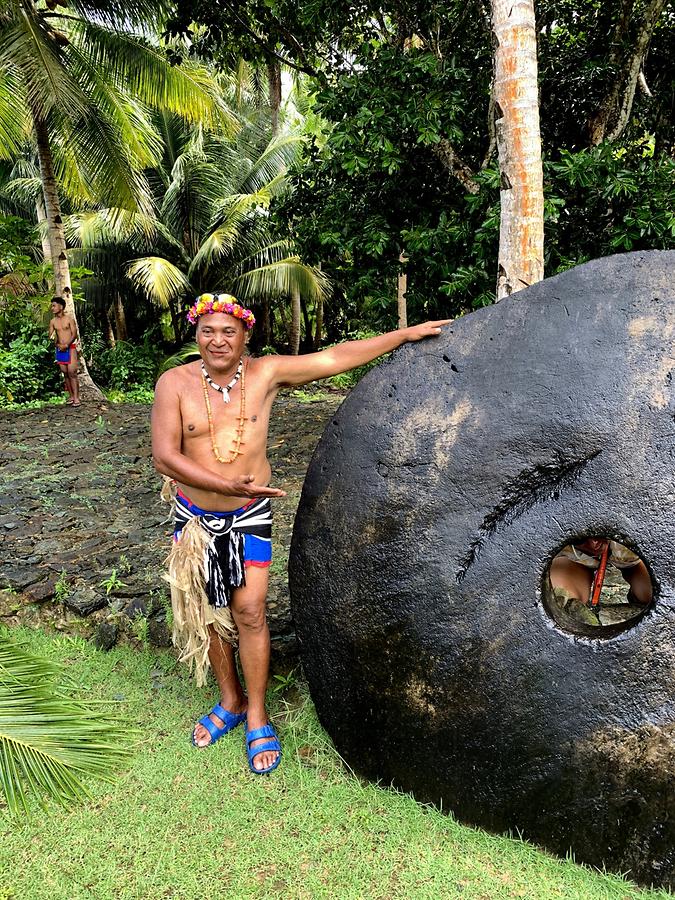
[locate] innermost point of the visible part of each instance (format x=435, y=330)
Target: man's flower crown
x=220, y=303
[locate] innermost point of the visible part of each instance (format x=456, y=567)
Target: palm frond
x=133, y=126
x=33, y=53
x=273, y=162
x=93, y=166
x=281, y=279
x=266, y=253
x=159, y=279
x=187, y=353
x=49, y=741
x=187, y=90
x=13, y=118
x=110, y=227
x=188, y=203
x=123, y=14
x=25, y=191
x=232, y=214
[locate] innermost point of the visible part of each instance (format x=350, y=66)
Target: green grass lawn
x=183, y=823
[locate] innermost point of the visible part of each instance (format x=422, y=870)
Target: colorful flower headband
x=220, y=303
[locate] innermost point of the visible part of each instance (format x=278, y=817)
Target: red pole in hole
x=599, y=578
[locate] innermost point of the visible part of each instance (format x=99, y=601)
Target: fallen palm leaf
x=48, y=740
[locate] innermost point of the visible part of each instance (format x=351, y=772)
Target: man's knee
x=250, y=615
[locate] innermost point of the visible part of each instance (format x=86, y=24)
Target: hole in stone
x=454, y=368
x=583, y=600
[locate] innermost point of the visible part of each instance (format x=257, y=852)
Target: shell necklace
x=206, y=381
x=225, y=391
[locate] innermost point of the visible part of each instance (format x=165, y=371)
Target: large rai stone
x=435, y=502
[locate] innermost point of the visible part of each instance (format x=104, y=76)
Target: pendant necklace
x=225, y=391
x=239, y=434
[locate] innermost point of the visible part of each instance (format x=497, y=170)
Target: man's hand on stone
x=245, y=486
x=426, y=329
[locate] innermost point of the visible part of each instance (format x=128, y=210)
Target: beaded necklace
x=225, y=391
x=241, y=371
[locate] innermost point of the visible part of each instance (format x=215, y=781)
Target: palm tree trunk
x=401, y=292
x=57, y=243
x=318, y=325
x=109, y=332
x=306, y=319
x=294, y=331
x=274, y=81
x=521, y=232
x=44, y=237
x=267, y=327
x=176, y=323
x=120, y=319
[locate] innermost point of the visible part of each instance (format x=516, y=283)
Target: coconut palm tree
x=213, y=226
x=79, y=76
x=49, y=741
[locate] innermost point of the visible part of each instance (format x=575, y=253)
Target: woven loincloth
x=207, y=562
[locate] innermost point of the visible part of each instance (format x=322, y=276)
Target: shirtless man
x=216, y=452
x=63, y=330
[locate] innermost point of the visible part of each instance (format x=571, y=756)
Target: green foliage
x=27, y=368
x=112, y=583
x=133, y=395
x=62, y=586
x=187, y=353
x=378, y=187
x=627, y=195
x=127, y=367
x=23, y=283
x=139, y=629
x=48, y=740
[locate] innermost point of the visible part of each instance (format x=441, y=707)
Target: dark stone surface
x=85, y=600
x=433, y=506
x=88, y=502
x=42, y=591
x=158, y=633
x=106, y=635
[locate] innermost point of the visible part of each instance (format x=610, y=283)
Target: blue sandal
x=230, y=720
x=267, y=731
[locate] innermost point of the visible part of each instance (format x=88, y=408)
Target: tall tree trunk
x=274, y=82
x=306, y=320
x=176, y=323
x=266, y=323
x=109, y=333
x=294, y=330
x=120, y=318
x=521, y=231
x=318, y=325
x=614, y=112
x=401, y=292
x=44, y=237
x=57, y=243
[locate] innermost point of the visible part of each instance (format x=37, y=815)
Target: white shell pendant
x=226, y=396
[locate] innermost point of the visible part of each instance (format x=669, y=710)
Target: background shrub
x=27, y=368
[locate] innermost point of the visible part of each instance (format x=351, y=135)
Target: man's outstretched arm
x=169, y=460
x=295, y=370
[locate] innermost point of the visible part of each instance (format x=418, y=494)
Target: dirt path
x=83, y=532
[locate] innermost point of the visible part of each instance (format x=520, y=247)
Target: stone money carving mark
x=531, y=486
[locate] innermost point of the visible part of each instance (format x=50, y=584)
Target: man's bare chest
x=201, y=418
x=63, y=329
